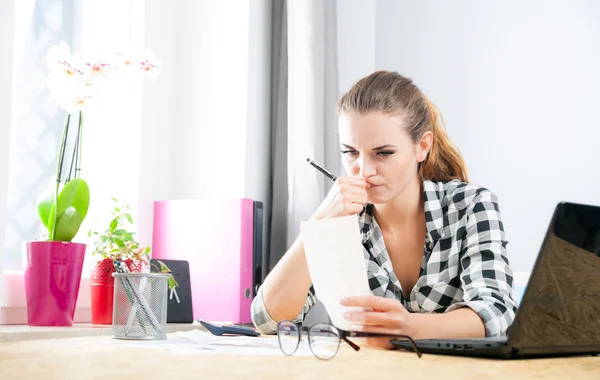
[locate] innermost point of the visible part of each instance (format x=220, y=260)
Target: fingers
x=372, y=302
x=356, y=181
x=347, y=197
x=374, y=318
x=353, y=194
x=376, y=342
x=348, y=188
x=390, y=332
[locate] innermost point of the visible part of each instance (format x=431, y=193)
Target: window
x=111, y=136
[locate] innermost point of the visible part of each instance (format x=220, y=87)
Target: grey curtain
x=278, y=243
x=303, y=118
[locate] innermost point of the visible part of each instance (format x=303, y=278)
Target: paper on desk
x=199, y=342
x=336, y=264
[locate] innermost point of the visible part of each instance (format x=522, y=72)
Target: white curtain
x=36, y=122
x=304, y=118
x=7, y=41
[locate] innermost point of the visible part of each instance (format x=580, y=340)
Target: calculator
x=229, y=330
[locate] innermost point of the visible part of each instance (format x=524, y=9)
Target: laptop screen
x=561, y=305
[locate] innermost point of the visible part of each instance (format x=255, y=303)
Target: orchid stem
x=73, y=165
x=63, y=142
x=79, y=142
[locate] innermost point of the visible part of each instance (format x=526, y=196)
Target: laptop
x=559, y=314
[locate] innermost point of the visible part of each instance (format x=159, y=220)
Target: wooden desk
x=101, y=358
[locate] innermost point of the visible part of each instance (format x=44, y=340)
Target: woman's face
x=377, y=148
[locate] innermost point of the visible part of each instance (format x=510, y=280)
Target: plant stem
x=79, y=142
x=61, y=153
x=73, y=157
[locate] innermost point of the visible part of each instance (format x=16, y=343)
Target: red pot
x=102, y=288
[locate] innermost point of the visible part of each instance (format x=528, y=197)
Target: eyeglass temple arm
x=352, y=344
x=412, y=343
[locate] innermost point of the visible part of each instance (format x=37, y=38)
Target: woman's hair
x=393, y=94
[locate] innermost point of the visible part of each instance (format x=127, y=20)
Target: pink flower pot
x=52, y=278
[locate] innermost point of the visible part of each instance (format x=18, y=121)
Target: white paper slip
x=336, y=264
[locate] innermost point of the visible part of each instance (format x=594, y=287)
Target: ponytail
x=443, y=163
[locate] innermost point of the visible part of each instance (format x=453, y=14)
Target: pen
x=319, y=168
x=327, y=174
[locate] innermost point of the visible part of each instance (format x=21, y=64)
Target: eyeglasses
x=323, y=338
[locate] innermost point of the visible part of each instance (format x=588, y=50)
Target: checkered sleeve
x=263, y=321
x=486, y=276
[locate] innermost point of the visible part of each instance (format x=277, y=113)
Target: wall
x=517, y=83
x=356, y=41
x=206, y=119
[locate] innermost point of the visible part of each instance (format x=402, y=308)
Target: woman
x=435, y=244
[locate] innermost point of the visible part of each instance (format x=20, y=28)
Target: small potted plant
x=118, y=243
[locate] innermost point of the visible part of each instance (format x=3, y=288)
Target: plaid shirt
x=464, y=262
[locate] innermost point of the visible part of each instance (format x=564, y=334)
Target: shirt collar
x=434, y=214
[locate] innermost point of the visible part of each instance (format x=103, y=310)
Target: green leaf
x=172, y=283
x=129, y=218
x=44, y=204
x=114, y=224
x=119, y=242
x=163, y=267
x=68, y=224
x=76, y=193
x=50, y=222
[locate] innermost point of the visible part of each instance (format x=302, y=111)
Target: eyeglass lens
x=324, y=340
x=288, y=336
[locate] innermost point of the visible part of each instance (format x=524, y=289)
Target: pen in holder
x=140, y=304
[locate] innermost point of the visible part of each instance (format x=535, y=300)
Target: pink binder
x=215, y=237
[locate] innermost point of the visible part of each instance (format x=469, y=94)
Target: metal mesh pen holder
x=140, y=305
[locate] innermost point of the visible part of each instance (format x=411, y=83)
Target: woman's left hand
x=388, y=317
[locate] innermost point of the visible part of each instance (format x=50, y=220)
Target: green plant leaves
x=73, y=204
x=114, y=224
x=68, y=224
x=76, y=193
x=165, y=269
x=117, y=242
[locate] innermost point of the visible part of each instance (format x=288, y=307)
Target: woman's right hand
x=347, y=196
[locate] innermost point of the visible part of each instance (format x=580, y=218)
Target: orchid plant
x=75, y=81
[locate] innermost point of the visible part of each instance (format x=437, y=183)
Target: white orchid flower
x=75, y=80
x=149, y=64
